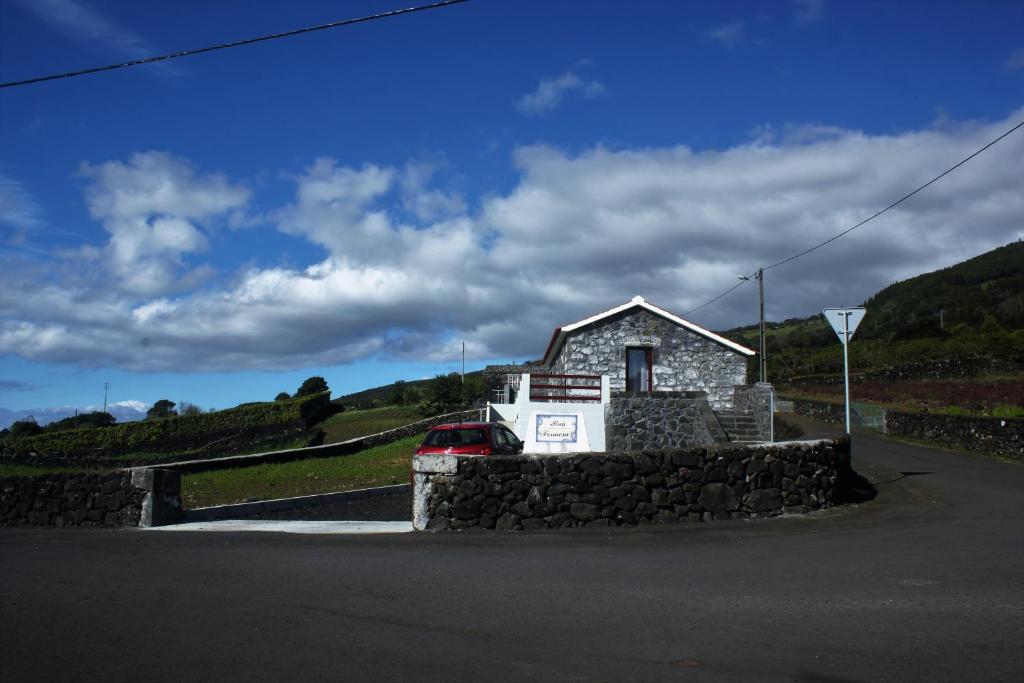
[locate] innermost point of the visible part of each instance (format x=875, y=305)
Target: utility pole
x=106, y=388
x=463, y=362
x=759, y=276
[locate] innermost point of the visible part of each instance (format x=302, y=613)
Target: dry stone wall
x=142, y=497
x=71, y=499
x=624, y=489
x=992, y=435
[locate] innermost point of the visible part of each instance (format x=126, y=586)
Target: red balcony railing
x=565, y=388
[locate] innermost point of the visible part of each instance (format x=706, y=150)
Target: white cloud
x=154, y=207
x=577, y=234
x=20, y=215
x=730, y=35
x=808, y=11
x=1016, y=59
x=425, y=204
x=551, y=92
x=82, y=23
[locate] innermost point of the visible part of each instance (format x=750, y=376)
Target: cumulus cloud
x=577, y=234
x=551, y=92
x=154, y=207
x=730, y=35
x=20, y=215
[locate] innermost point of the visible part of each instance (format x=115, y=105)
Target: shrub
x=313, y=385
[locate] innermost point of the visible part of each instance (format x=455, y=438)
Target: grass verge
x=379, y=466
x=355, y=423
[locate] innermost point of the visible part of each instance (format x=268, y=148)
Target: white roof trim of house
x=639, y=302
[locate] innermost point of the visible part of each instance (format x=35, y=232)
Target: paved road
x=925, y=583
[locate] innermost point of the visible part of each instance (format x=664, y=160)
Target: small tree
x=26, y=427
x=313, y=385
x=283, y=396
x=162, y=408
x=186, y=408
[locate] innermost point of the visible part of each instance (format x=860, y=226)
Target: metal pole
x=846, y=365
x=463, y=362
x=106, y=386
x=764, y=361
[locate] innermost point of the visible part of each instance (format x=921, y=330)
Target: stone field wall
x=993, y=435
x=623, y=489
x=684, y=360
x=71, y=499
x=142, y=497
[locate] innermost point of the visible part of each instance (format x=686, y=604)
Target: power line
x=237, y=43
x=866, y=220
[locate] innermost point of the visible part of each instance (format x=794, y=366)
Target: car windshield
x=456, y=437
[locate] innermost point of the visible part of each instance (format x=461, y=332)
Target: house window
x=638, y=368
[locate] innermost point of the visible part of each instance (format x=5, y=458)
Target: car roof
x=464, y=425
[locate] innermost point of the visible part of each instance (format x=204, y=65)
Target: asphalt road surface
x=926, y=582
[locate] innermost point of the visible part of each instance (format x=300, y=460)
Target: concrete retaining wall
x=616, y=489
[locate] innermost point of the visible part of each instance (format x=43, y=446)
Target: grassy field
x=380, y=466
x=354, y=423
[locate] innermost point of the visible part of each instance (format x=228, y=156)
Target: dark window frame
x=648, y=361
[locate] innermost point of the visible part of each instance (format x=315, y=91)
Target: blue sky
x=355, y=203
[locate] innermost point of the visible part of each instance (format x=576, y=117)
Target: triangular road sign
x=844, y=319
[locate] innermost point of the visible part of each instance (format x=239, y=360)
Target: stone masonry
x=684, y=361
x=623, y=489
x=141, y=497
x=664, y=419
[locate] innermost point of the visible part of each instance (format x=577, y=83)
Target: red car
x=471, y=438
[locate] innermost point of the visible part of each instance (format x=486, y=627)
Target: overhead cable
x=237, y=43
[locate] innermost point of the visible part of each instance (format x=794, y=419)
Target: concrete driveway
x=926, y=582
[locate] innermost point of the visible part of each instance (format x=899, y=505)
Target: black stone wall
x=992, y=435
x=624, y=489
x=662, y=419
x=998, y=436
x=71, y=499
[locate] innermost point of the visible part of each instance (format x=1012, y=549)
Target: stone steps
x=738, y=427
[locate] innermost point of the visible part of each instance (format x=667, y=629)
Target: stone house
x=635, y=376
x=644, y=348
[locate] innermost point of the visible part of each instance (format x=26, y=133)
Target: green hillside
x=250, y=427
x=970, y=311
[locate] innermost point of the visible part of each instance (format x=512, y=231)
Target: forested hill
x=928, y=305
x=990, y=284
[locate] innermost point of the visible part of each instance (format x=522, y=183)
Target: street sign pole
x=844, y=321
x=846, y=366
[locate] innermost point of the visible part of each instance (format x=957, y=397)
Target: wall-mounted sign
x=557, y=428
x=643, y=340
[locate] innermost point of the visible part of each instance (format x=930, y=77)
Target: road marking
x=292, y=526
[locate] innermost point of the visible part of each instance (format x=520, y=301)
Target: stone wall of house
x=664, y=419
x=622, y=489
x=683, y=360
